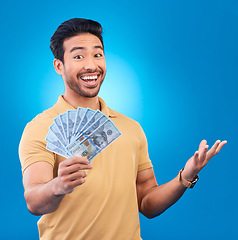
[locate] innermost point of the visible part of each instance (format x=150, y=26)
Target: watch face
x=194, y=181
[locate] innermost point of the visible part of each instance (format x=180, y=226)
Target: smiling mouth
x=90, y=80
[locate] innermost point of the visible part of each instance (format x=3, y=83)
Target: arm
x=153, y=199
x=43, y=193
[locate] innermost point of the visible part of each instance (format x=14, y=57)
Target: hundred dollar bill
x=92, y=127
x=88, y=114
x=83, y=134
x=53, y=139
x=98, y=114
x=70, y=115
x=55, y=129
x=87, y=149
x=99, y=139
x=57, y=150
x=63, y=120
x=58, y=123
x=80, y=112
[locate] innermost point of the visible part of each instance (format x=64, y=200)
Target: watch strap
x=186, y=183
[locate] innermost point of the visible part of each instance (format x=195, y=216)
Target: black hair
x=71, y=28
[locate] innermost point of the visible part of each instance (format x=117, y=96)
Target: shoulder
x=122, y=118
x=32, y=146
x=37, y=129
x=42, y=120
x=117, y=117
x=125, y=123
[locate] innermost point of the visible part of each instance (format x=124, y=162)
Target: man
x=79, y=200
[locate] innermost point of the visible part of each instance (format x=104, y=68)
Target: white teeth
x=89, y=77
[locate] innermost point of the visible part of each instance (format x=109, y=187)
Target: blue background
x=171, y=65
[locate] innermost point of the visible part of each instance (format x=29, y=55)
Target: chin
x=88, y=94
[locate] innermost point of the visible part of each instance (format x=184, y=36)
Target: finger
x=220, y=146
x=203, y=155
x=74, y=176
x=79, y=162
x=78, y=178
x=212, y=151
x=202, y=145
x=79, y=181
x=196, y=157
x=70, y=185
x=74, y=160
x=202, y=152
x=73, y=168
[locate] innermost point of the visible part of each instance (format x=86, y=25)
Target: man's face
x=84, y=66
x=99, y=140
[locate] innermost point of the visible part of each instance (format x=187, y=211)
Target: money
x=81, y=132
x=98, y=140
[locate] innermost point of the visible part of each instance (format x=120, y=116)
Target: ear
x=59, y=66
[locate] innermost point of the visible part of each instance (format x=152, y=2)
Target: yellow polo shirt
x=105, y=206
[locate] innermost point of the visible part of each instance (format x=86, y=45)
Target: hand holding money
x=71, y=174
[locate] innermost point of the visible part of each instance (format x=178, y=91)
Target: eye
x=98, y=55
x=78, y=57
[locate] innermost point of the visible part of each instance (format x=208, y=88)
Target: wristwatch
x=185, y=182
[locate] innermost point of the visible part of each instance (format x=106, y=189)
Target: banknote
x=87, y=115
x=91, y=128
x=81, y=132
x=87, y=131
x=51, y=147
x=87, y=149
x=98, y=140
x=70, y=123
x=80, y=112
x=54, y=141
x=56, y=130
x=59, y=125
x=63, y=120
x=87, y=121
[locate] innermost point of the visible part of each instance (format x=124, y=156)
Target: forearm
x=43, y=193
x=154, y=200
x=43, y=198
x=159, y=198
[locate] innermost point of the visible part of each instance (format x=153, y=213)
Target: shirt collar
x=105, y=109
x=62, y=106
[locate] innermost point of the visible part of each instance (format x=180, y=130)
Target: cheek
x=102, y=65
x=72, y=66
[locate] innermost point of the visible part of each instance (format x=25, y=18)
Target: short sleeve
x=32, y=147
x=144, y=160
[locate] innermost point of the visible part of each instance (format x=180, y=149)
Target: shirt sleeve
x=32, y=147
x=144, y=160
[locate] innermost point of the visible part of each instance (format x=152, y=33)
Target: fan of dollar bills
x=81, y=132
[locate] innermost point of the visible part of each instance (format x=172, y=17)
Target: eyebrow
x=83, y=48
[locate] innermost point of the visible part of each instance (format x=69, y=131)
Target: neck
x=76, y=101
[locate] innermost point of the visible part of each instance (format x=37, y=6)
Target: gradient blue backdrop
x=171, y=65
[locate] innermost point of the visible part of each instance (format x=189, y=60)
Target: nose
x=90, y=64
